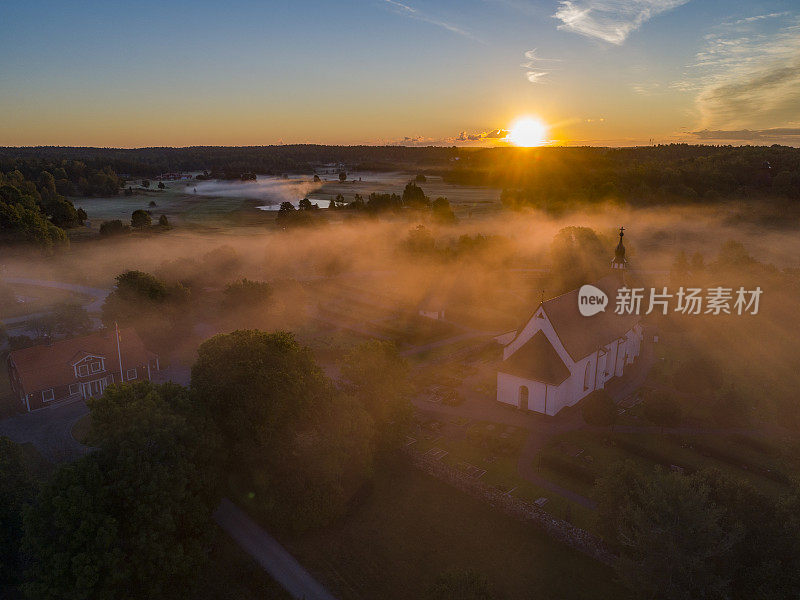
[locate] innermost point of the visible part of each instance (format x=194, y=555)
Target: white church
x=558, y=357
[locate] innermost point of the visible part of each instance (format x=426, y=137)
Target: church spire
x=620, y=262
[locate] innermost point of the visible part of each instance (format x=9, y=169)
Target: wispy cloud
x=414, y=13
x=755, y=18
x=776, y=135
x=534, y=66
x=610, y=20
x=747, y=76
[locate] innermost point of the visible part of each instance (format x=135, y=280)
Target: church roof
x=583, y=335
x=537, y=360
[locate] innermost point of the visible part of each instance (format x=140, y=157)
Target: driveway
x=268, y=553
x=49, y=430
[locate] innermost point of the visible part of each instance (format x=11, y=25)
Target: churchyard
x=412, y=527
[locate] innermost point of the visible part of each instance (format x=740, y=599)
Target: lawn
x=495, y=449
x=590, y=451
x=414, y=527
x=232, y=575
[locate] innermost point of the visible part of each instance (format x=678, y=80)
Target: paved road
x=49, y=429
x=269, y=553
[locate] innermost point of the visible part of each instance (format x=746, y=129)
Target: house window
x=47, y=395
x=96, y=367
x=74, y=388
x=83, y=370
x=130, y=374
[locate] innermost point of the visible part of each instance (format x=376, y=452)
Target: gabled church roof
x=583, y=335
x=537, y=360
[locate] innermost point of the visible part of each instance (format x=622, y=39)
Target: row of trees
x=261, y=422
x=699, y=536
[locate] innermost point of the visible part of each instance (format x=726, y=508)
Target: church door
x=523, y=398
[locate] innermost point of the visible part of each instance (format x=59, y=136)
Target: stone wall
x=563, y=531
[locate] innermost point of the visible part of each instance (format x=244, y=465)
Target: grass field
x=232, y=575
x=413, y=527
x=591, y=451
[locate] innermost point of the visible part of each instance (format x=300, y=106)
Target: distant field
x=413, y=527
x=238, y=205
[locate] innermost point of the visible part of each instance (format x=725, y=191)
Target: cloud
x=533, y=66
x=610, y=20
x=776, y=135
x=413, y=13
x=760, y=18
x=646, y=88
x=747, y=76
x=495, y=134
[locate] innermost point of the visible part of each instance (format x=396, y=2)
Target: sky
x=414, y=72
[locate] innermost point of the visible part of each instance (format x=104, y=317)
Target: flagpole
x=119, y=355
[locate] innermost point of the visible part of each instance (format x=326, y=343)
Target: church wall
x=508, y=392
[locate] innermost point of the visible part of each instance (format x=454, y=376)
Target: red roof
x=46, y=366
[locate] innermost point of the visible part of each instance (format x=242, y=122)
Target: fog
x=360, y=270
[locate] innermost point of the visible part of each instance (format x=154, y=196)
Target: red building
x=79, y=367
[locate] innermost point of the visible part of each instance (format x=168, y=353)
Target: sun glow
x=527, y=132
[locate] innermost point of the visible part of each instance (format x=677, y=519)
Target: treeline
x=269, y=160
x=261, y=424
x=70, y=177
x=33, y=212
x=557, y=179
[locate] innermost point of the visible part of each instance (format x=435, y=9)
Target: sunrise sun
x=527, y=132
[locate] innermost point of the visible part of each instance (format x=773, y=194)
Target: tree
x=461, y=585
x=132, y=519
x=661, y=408
x=671, y=536
x=316, y=178
x=163, y=221
x=598, y=409
x=377, y=376
x=17, y=489
x=145, y=183
x=246, y=293
x=161, y=185
x=140, y=219
x=157, y=310
x=342, y=176
x=420, y=178
x=304, y=204
x=71, y=319
x=152, y=204
x=298, y=449
x=442, y=211
x=578, y=256
x=111, y=228
x=414, y=197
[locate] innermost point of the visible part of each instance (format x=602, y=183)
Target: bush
x=115, y=227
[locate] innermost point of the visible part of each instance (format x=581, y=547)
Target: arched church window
x=586, y=376
x=523, y=397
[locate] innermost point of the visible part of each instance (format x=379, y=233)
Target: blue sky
x=398, y=71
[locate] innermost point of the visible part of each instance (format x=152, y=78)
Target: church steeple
x=620, y=262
